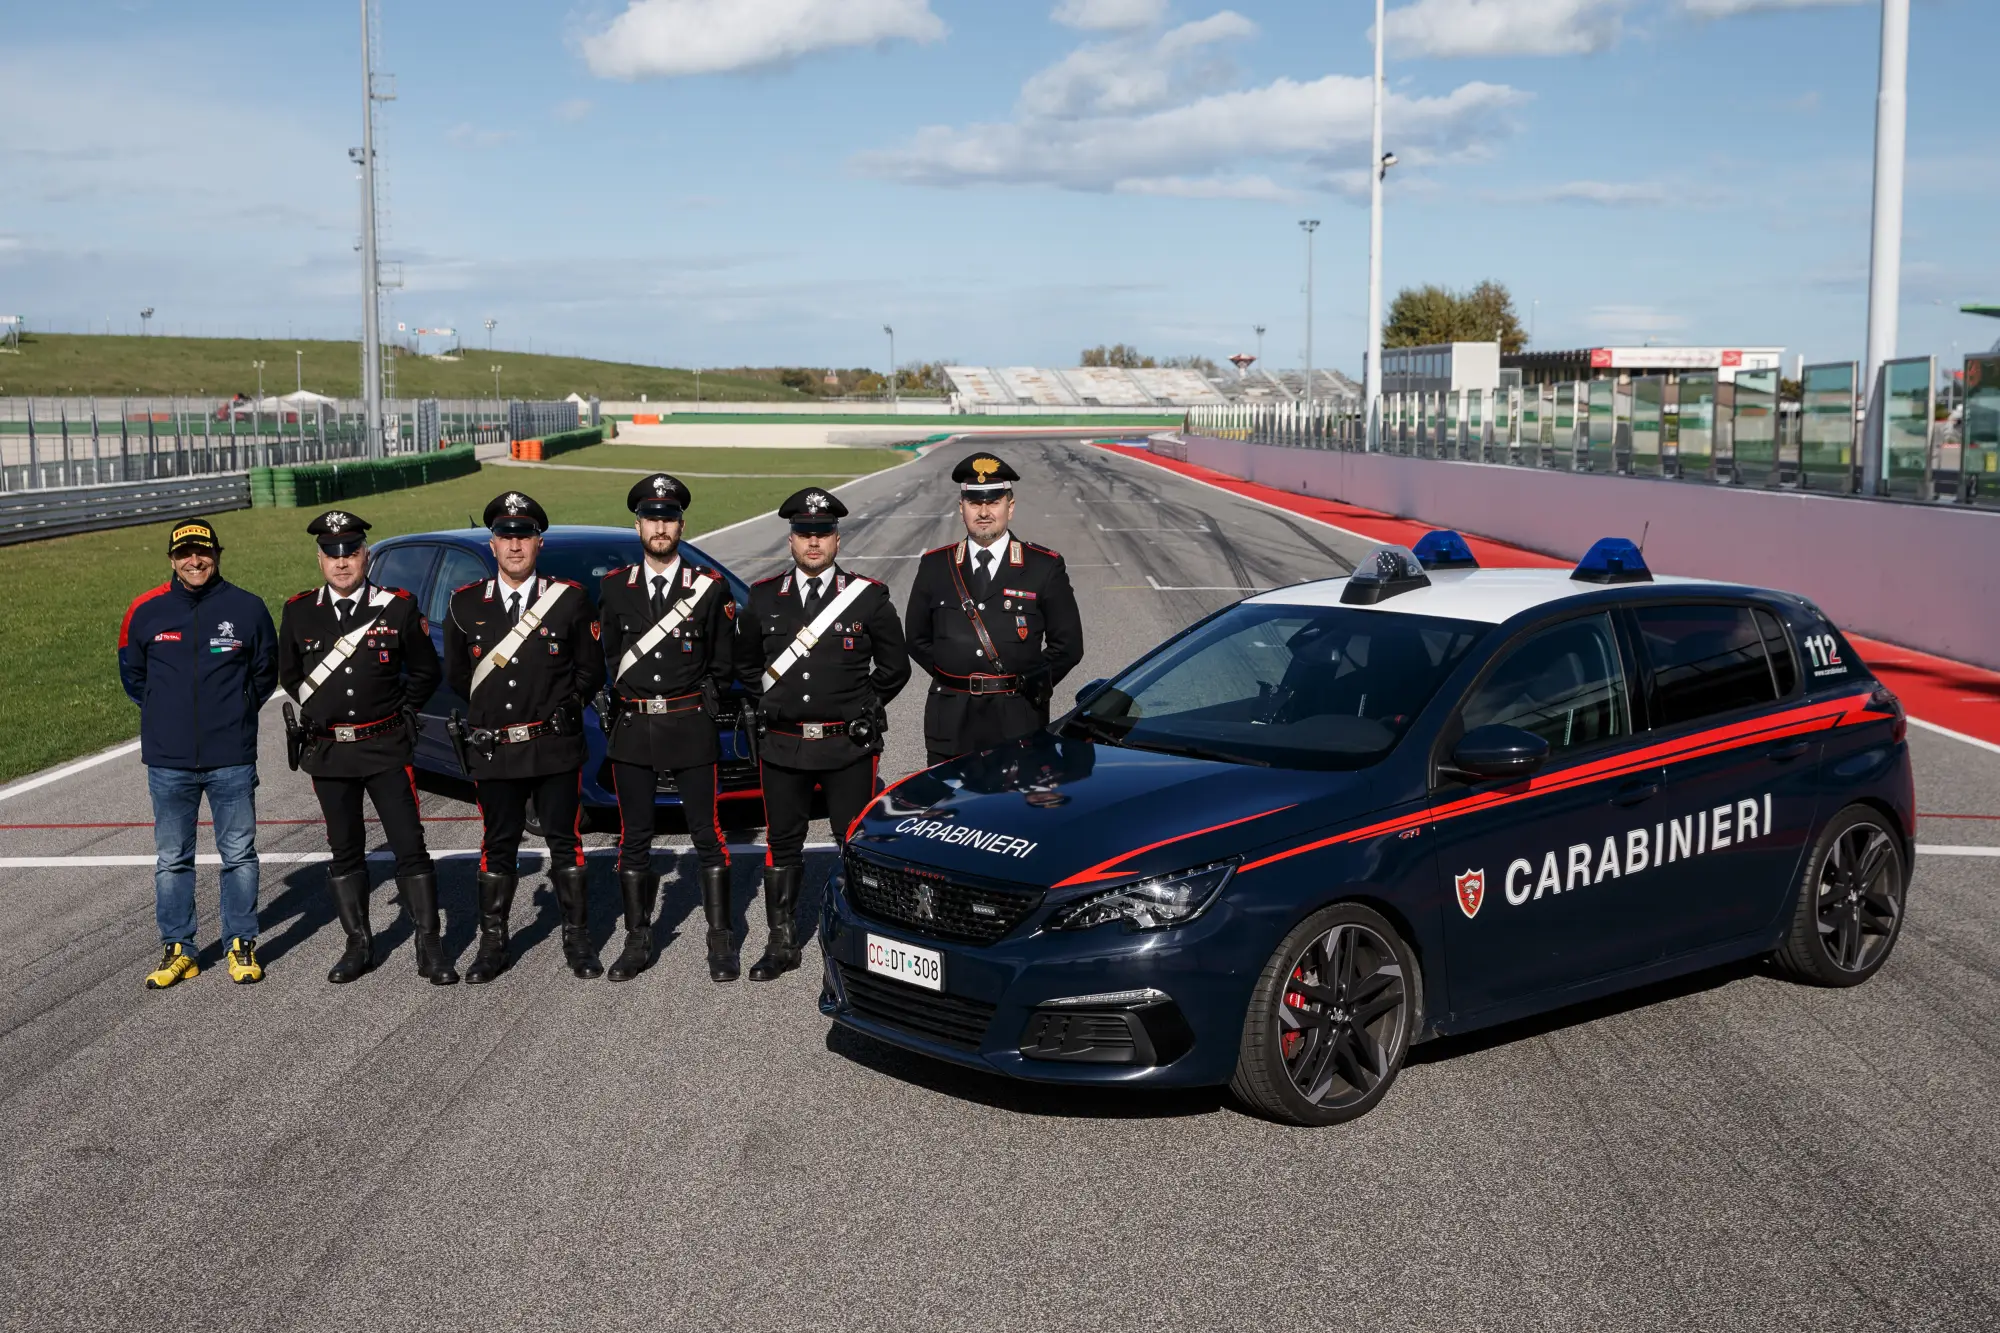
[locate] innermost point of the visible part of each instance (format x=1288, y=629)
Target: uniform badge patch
x=382, y=655
x=425, y=623
x=167, y=636
x=729, y=608
x=475, y=650
x=847, y=644
x=1471, y=890
x=596, y=630
x=1021, y=626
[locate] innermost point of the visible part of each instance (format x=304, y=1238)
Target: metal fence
x=67, y=442
x=1693, y=427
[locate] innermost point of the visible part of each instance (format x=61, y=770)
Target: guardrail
x=31, y=515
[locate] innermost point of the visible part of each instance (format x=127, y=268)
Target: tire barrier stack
x=548, y=446
x=324, y=483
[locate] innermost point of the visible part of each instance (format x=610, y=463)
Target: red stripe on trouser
x=485, y=828
x=578, y=822
x=767, y=811
x=715, y=809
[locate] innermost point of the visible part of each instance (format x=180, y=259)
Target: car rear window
x=1706, y=660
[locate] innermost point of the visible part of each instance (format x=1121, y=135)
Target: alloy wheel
x=1343, y=1016
x=1860, y=899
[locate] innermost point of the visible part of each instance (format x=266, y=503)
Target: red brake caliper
x=1288, y=1044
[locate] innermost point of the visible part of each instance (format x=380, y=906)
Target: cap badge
x=515, y=502
x=660, y=486
x=818, y=501
x=984, y=468
x=336, y=520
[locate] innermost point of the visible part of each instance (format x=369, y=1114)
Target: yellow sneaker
x=244, y=969
x=176, y=964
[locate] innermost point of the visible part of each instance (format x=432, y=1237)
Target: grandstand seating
x=1174, y=385
x=1031, y=385
x=1086, y=387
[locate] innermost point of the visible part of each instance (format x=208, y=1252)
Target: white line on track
x=1213, y=587
x=1927, y=726
x=311, y=858
x=55, y=774
x=1935, y=849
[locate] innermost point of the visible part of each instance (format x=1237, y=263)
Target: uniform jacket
x=859, y=663
x=560, y=662
x=199, y=662
x=1032, y=616
x=697, y=657
x=393, y=667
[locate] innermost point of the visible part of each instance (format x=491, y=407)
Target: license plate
x=906, y=962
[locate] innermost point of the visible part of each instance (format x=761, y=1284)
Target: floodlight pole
x=1260, y=343
x=1309, y=226
x=1885, y=246
x=300, y=354
x=371, y=273
x=1371, y=393
x=892, y=365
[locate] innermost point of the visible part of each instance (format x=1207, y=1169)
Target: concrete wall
x=1925, y=576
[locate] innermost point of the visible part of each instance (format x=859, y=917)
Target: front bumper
x=1175, y=1019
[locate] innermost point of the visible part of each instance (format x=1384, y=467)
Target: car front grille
x=930, y=903
x=951, y=1020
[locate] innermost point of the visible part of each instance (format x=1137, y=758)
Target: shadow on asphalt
x=1486, y=1039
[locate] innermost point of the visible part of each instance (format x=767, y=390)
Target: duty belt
x=362, y=731
x=810, y=731
x=485, y=737
x=979, y=684
x=680, y=703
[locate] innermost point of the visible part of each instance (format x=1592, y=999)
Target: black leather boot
x=496, y=900
x=781, y=909
x=420, y=897
x=573, y=896
x=639, y=888
x=350, y=901
x=722, y=964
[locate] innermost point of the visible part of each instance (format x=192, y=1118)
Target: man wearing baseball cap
x=199, y=656
x=358, y=659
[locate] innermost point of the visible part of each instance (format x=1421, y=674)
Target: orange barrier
x=527, y=451
x=645, y=418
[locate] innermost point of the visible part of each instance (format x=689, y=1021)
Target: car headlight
x=1149, y=904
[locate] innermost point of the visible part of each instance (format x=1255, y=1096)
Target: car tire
x=1319, y=1054
x=1850, y=901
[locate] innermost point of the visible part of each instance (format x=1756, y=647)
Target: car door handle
x=1784, y=754
x=1632, y=793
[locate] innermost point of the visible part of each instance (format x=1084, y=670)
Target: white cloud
x=1608, y=193
x=1126, y=76
x=1109, y=15
x=668, y=38
x=1210, y=187
x=575, y=109
x=1716, y=9
x=1210, y=137
x=1507, y=27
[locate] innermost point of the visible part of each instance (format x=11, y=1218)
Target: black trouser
x=394, y=792
x=503, y=803
x=637, y=788
x=788, y=796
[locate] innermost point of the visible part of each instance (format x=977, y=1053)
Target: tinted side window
x=1565, y=684
x=458, y=569
x=1784, y=670
x=403, y=567
x=1706, y=660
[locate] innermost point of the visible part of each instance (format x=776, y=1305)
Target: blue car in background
x=432, y=565
x=1334, y=820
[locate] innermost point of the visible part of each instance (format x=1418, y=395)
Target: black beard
x=671, y=543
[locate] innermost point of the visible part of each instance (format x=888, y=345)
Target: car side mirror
x=1083, y=696
x=1498, y=751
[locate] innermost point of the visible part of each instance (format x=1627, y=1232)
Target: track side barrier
x=1923, y=575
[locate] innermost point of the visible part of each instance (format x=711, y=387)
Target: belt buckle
x=813, y=731
x=343, y=733
x=658, y=707
x=517, y=734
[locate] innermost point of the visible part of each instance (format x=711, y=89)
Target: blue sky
x=725, y=182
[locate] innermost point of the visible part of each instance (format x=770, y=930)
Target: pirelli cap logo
x=200, y=532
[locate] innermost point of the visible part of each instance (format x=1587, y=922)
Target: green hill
x=109, y=365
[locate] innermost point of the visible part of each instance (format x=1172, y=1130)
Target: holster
x=295, y=739
x=454, y=727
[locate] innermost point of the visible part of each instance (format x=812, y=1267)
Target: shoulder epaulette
x=773, y=579
x=404, y=593
x=463, y=586
x=611, y=574
x=936, y=549
x=295, y=596
x=571, y=582
x=1043, y=549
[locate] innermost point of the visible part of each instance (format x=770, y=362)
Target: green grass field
x=55, y=364
x=66, y=597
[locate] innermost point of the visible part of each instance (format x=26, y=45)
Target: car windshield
x=1282, y=686
x=587, y=562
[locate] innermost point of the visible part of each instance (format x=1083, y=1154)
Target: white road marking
x=1927, y=726
x=55, y=774
x=1213, y=587
x=1102, y=528
x=312, y=858
x=1935, y=849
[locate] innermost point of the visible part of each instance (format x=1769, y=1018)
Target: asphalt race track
x=1730, y=1152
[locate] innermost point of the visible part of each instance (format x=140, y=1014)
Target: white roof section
x=1486, y=595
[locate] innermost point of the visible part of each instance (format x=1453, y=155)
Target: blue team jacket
x=199, y=662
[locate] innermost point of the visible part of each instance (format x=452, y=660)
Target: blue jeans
x=232, y=801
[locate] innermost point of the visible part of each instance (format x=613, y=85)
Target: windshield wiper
x=1199, y=752
x=1097, y=729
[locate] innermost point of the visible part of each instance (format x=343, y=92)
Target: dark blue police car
x=1336, y=819
x=431, y=565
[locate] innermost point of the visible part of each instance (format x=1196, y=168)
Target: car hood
x=1069, y=814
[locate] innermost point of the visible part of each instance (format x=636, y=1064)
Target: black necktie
x=659, y=595
x=513, y=608
x=343, y=611
x=812, y=597
x=983, y=580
